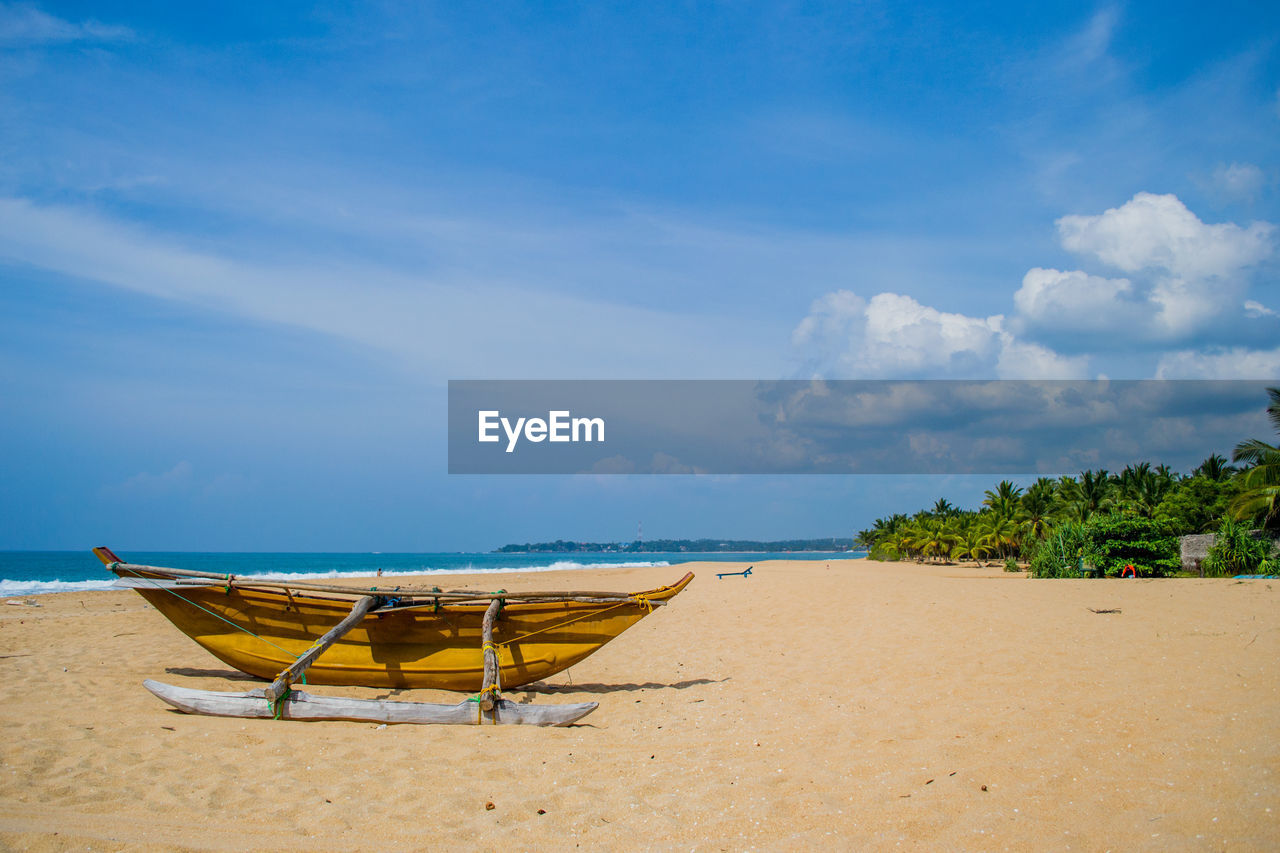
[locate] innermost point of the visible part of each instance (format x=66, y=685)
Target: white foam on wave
x=558, y=566
x=9, y=588
x=12, y=588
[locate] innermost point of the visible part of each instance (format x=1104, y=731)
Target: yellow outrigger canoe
x=394, y=637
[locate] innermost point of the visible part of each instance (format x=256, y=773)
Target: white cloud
x=1058, y=299
x=1255, y=309
x=1234, y=363
x=911, y=336
x=1159, y=232
x=893, y=335
x=1194, y=269
x=1242, y=181
x=22, y=23
x=1186, y=278
x=1023, y=360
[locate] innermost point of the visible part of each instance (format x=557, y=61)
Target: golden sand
x=854, y=704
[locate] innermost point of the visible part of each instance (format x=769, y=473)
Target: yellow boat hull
x=262, y=631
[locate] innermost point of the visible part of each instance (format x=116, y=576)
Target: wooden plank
x=164, y=583
x=295, y=670
x=448, y=596
x=305, y=706
x=490, y=687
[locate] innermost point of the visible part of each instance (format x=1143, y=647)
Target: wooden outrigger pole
x=280, y=687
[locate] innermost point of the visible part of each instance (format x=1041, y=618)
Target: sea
x=40, y=572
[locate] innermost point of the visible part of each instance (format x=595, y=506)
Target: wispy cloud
x=442, y=324
x=1089, y=47
x=1220, y=363
x=178, y=479
x=25, y=24
x=1238, y=181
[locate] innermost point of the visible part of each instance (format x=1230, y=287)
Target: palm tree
x=1038, y=508
x=1130, y=479
x=972, y=543
x=944, y=508
x=1004, y=500
x=1139, y=488
x=1214, y=468
x=934, y=539
x=1000, y=533
x=1261, y=479
x=1086, y=496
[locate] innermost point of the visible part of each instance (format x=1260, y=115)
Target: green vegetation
x=1062, y=553
x=1116, y=541
x=1234, y=552
x=1260, y=481
x=1099, y=522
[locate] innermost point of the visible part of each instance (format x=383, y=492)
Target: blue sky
x=242, y=250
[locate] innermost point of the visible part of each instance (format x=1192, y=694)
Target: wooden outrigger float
x=396, y=637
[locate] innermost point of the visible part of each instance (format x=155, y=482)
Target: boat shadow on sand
x=540, y=688
x=537, y=687
x=586, y=687
x=229, y=674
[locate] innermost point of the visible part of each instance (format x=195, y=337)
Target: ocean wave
x=558, y=566
x=9, y=589
x=13, y=588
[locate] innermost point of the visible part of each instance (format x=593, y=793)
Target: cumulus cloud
x=914, y=336
x=1185, y=282
x=1024, y=360
x=1055, y=298
x=1158, y=231
x=22, y=23
x=1191, y=265
x=893, y=335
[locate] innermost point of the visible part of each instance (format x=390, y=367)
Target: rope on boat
x=277, y=707
x=222, y=618
x=642, y=600
x=492, y=688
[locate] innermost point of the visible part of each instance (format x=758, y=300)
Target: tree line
x=1102, y=522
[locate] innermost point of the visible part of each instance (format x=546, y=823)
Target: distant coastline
x=832, y=545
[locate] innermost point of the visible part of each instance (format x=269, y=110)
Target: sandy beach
x=860, y=704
